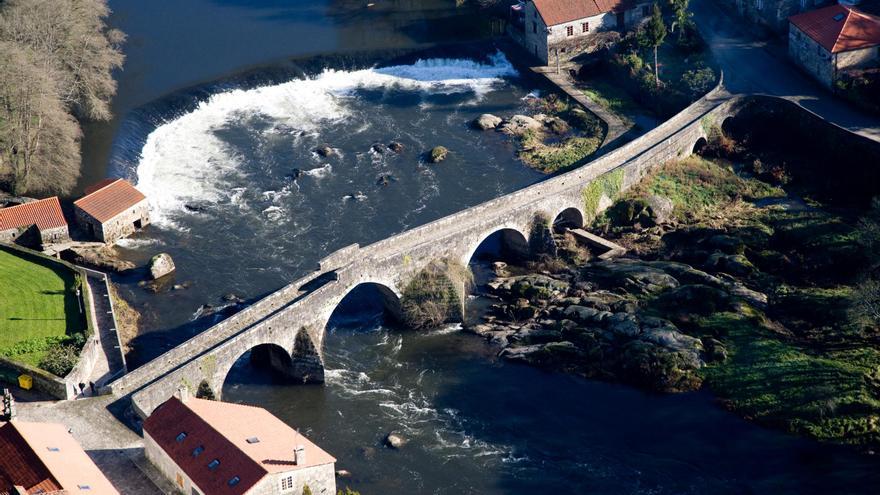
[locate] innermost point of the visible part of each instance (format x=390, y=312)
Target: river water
x=244, y=205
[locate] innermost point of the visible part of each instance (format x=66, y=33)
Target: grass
x=550, y=158
x=38, y=306
x=828, y=396
x=696, y=185
x=612, y=97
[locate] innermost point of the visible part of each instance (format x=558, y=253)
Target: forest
x=57, y=59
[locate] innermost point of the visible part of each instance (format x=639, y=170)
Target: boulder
x=396, y=147
x=727, y=244
x=519, y=124
x=437, y=154
x=395, y=440
x=734, y=264
x=661, y=208
x=324, y=150
x=556, y=125
x=343, y=473
x=379, y=148
x=161, y=265
x=486, y=121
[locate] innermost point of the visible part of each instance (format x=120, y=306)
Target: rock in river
x=519, y=124
x=161, y=265
x=486, y=121
x=395, y=440
x=437, y=154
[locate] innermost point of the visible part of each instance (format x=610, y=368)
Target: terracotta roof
x=839, y=28
x=108, y=198
x=560, y=11
x=100, y=184
x=45, y=214
x=44, y=456
x=223, y=429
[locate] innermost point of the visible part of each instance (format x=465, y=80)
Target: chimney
x=182, y=393
x=299, y=455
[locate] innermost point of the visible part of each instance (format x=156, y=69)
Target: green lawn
x=38, y=306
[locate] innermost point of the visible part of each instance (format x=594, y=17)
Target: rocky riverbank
x=743, y=289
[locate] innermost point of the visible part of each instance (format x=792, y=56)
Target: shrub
x=698, y=81
x=60, y=359
x=432, y=297
x=205, y=391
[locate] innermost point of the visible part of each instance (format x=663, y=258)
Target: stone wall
x=122, y=225
x=390, y=263
x=811, y=56
x=167, y=467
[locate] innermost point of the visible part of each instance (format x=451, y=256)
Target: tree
x=39, y=140
x=73, y=38
x=682, y=16
x=653, y=35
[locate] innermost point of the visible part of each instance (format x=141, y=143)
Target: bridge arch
x=568, y=218
x=699, y=146
x=265, y=355
x=507, y=242
x=366, y=300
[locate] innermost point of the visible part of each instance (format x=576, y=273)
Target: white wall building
x=208, y=447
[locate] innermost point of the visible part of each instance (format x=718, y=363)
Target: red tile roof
x=45, y=214
x=839, y=28
x=108, y=198
x=560, y=11
x=223, y=430
x=44, y=456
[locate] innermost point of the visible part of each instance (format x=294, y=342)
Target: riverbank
x=732, y=285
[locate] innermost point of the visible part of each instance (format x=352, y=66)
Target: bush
x=60, y=359
x=432, y=297
x=698, y=81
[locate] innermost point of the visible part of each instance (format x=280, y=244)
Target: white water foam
x=184, y=161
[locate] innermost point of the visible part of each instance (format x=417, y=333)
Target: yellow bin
x=26, y=381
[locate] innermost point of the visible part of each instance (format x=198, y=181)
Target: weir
x=292, y=320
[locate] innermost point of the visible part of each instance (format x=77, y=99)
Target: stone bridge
x=286, y=328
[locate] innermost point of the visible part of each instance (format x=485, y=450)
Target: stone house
x=45, y=458
x=774, y=14
x=565, y=28
x=832, y=39
x=34, y=224
x=211, y=447
x=112, y=209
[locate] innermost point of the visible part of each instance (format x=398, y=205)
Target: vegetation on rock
x=563, y=136
x=435, y=294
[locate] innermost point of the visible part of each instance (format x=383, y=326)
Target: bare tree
x=71, y=34
x=39, y=140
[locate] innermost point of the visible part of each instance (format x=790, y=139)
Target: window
x=233, y=481
x=179, y=480
x=198, y=450
x=181, y=436
x=585, y=27
x=534, y=27
x=213, y=464
x=287, y=483
x=569, y=30
x=253, y=440
x=53, y=449
x=84, y=487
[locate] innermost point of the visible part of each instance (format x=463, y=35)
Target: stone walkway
x=616, y=126
x=113, y=363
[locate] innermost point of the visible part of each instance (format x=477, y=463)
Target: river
x=244, y=205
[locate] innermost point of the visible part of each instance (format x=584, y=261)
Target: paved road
x=754, y=65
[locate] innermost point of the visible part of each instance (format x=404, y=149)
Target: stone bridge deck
x=293, y=319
